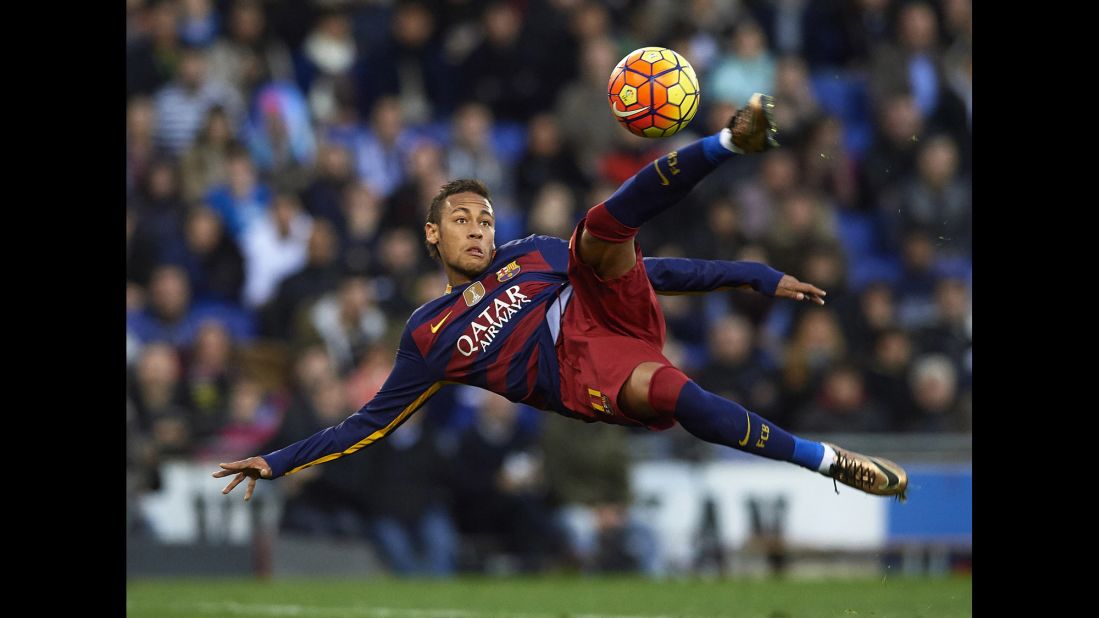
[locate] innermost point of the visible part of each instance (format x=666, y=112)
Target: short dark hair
x=434, y=212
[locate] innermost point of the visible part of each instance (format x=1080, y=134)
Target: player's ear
x=431, y=233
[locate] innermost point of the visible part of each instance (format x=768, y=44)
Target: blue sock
x=667, y=180
x=718, y=420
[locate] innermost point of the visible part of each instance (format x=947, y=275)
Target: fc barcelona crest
x=508, y=271
x=474, y=294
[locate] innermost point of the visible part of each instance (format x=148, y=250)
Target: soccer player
x=575, y=327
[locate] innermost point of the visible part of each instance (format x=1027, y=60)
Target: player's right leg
x=606, y=244
x=654, y=390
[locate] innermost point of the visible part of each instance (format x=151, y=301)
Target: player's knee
x=665, y=385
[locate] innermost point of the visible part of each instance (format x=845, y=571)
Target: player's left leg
x=606, y=242
x=655, y=390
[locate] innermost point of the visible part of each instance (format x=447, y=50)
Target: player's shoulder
x=532, y=243
x=425, y=312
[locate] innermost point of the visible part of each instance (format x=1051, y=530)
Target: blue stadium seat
x=845, y=96
x=873, y=269
x=509, y=139
x=857, y=233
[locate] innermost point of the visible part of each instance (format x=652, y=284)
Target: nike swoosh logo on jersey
x=624, y=113
x=435, y=327
x=746, y=433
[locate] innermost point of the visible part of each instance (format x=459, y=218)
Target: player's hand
x=252, y=468
x=790, y=287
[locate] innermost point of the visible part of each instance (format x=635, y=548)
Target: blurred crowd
x=281, y=155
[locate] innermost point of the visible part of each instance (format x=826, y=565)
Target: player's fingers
x=229, y=468
x=251, y=488
x=233, y=483
x=815, y=290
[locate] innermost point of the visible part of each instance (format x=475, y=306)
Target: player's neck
x=455, y=278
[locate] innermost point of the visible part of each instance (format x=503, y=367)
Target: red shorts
x=609, y=328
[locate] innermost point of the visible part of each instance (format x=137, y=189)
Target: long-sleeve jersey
x=499, y=332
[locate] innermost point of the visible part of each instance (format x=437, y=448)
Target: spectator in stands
x=828, y=167
x=168, y=317
x=796, y=107
x=842, y=405
x=937, y=199
x=381, y=152
x=759, y=199
x=152, y=57
x=249, y=54
x=280, y=137
x=198, y=22
x=803, y=221
x=140, y=147
x=914, y=67
x=157, y=220
x=587, y=475
x=409, y=495
x=817, y=343
x=326, y=62
x=182, y=104
x=892, y=154
x=203, y=164
x=160, y=403
x=951, y=331
x=915, y=291
x=250, y=422
x=214, y=264
x=874, y=313
x=333, y=174
x=499, y=498
x=320, y=275
x=207, y=379
x=740, y=370
x=273, y=248
x=332, y=500
x=503, y=72
x=545, y=160
x=346, y=321
x=424, y=175
x=400, y=261
x=412, y=64
x=553, y=211
x=747, y=67
x=887, y=375
x=940, y=404
x=471, y=154
x=589, y=134
x=243, y=200
x=362, y=218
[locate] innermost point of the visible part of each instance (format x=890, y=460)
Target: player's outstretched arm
x=407, y=388
x=252, y=469
x=686, y=276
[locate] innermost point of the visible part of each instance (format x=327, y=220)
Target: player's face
x=465, y=236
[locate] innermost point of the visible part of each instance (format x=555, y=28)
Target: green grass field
x=551, y=598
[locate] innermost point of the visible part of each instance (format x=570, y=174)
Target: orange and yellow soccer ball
x=653, y=92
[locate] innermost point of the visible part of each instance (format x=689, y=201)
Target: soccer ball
x=653, y=92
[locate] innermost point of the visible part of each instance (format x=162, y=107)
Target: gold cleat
x=873, y=475
x=753, y=125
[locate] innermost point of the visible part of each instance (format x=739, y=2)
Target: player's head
x=460, y=230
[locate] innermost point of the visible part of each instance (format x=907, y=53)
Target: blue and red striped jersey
x=497, y=332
